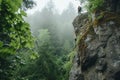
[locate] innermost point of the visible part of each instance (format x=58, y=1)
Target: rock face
x=97, y=48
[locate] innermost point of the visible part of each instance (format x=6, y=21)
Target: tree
x=44, y=67
x=28, y=4
x=54, y=40
x=14, y=35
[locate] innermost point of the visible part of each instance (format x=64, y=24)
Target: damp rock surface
x=100, y=58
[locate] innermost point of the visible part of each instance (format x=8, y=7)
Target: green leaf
x=0, y=1
x=34, y=55
x=1, y=43
x=7, y=51
x=23, y=13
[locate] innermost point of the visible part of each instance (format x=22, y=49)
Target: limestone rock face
x=97, y=51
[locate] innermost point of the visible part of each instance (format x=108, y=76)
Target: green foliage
x=14, y=35
x=67, y=46
x=43, y=65
x=95, y=5
x=53, y=43
x=48, y=60
x=44, y=37
x=28, y=4
x=34, y=55
x=47, y=66
x=68, y=64
x=1, y=44
x=13, y=27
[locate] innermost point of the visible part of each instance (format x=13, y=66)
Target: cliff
x=97, y=44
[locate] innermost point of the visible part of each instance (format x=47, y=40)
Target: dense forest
x=49, y=45
x=37, y=46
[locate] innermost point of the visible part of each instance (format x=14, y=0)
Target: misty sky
x=60, y=5
x=60, y=22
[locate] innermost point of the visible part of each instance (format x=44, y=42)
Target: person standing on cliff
x=79, y=10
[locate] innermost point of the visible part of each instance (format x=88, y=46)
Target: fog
x=49, y=18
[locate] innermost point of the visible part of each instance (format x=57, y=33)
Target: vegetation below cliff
x=37, y=46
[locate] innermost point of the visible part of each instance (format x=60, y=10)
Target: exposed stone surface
x=101, y=58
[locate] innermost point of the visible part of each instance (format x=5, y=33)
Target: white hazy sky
x=60, y=5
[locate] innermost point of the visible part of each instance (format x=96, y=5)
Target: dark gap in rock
x=117, y=75
x=89, y=62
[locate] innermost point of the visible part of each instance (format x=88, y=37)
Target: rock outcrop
x=97, y=46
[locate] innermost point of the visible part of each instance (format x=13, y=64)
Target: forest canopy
x=39, y=48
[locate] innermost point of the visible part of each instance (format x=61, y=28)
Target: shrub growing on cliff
x=93, y=5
